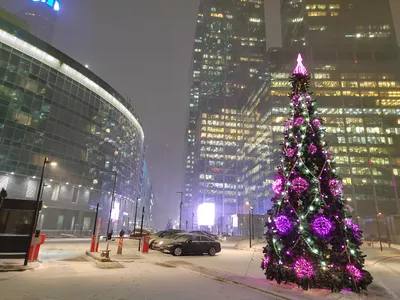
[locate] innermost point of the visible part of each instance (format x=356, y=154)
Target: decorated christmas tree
x=311, y=239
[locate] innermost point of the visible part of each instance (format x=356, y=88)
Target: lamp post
x=134, y=224
x=38, y=197
x=180, y=210
x=250, y=221
x=379, y=231
x=109, y=216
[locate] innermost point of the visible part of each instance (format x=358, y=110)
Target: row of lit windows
x=322, y=6
x=221, y=136
x=218, y=143
x=220, y=123
x=322, y=13
x=219, y=156
x=345, y=84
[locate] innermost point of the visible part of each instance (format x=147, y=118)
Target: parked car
x=191, y=244
x=165, y=240
x=136, y=233
x=206, y=233
x=163, y=234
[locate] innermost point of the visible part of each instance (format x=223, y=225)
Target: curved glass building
x=52, y=106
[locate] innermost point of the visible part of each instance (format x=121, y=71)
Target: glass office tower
x=228, y=46
x=52, y=106
x=352, y=53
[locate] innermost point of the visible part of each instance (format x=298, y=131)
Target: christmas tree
x=311, y=238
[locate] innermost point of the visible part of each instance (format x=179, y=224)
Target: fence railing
x=66, y=233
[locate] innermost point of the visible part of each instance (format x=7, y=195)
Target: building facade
x=229, y=41
x=52, y=106
x=147, y=200
x=356, y=80
x=41, y=15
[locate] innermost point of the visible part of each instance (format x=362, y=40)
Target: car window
x=204, y=238
x=183, y=237
x=196, y=238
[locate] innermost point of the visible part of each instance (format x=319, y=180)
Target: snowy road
x=137, y=280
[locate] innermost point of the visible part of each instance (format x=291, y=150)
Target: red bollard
x=120, y=245
x=37, y=241
x=145, y=244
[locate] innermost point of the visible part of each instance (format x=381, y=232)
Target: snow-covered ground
x=141, y=279
x=66, y=274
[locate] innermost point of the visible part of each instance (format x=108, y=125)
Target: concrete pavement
x=229, y=266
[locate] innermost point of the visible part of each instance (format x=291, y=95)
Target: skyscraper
x=229, y=41
x=41, y=15
x=351, y=51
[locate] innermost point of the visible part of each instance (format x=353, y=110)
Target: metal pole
x=95, y=220
x=180, y=210
x=379, y=232
x=249, y=228
x=192, y=220
x=252, y=224
x=35, y=214
x=134, y=223
x=109, y=216
x=141, y=227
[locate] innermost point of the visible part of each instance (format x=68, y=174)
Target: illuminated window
x=346, y=181
x=369, y=94
x=334, y=13
x=390, y=94
x=355, y=129
x=315, y=6
x=367, y=84
x=322, y=75
x=334, y=6
x=255, y=20
x=360, y=171
x=317, y=28
x=349, y=84
x=389, y=102
x=351, y=93
x=217, y=15
x=388, y=84
x=358, y=149
x=317, y=13
x=279, y=93
x=327, y=93
x=326, y=83
x=378, y=150
x=280, y=84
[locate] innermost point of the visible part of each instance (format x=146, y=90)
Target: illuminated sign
x=54, y=4
x=206, y=214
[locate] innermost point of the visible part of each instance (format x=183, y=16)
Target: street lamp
x=109, y=216
x=379, y=231
x=250, y=221
x=35, y=214
x=180, y=210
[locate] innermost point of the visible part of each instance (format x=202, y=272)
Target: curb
x=100, y=259
x=19, y=268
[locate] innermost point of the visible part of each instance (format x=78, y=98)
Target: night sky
x=143, y=49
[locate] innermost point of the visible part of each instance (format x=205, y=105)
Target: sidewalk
x=283, y=291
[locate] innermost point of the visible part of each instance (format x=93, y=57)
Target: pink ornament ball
x=312, y=149
x=299, y=185
x=356, y=273
x=290, y=152
x=299, y=121
x=303, y=268
x=316, y=122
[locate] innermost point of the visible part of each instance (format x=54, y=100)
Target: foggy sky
x=143, y=49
